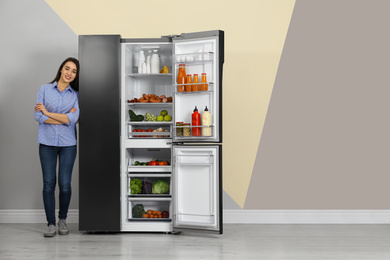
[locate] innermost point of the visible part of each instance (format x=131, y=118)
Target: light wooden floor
x=25, y=241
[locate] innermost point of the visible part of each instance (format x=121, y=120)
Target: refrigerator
x=119, y=149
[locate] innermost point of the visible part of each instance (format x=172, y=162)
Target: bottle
x=155, y=63
x=181, y=78
x=204, y=86
x=189, y=81
x=196, y=122
x=196, y=80
x=206, y=120
x=148, y=59
x=141, y=61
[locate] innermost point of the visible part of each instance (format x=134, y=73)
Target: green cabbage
x=135, y=186
x=160, y=187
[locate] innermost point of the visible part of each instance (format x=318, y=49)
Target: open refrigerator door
x=197, y=187
x=197, y=89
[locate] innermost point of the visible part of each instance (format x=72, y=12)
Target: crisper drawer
x=143, y=185
x=149, y=160
x=157, y=209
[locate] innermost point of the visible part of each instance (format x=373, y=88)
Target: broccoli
x=138, y=210
x=135, y=186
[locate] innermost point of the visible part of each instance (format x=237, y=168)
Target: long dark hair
x=75, y=83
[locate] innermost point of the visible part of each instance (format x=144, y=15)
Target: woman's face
x=68, y=72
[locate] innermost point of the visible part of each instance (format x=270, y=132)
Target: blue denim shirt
x=57, y=102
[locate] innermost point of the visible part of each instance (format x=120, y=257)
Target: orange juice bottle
x=181, y=78
x=196, y=80
x=189, y=81
x=204, y=86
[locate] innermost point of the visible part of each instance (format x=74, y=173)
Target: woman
x=57, y=111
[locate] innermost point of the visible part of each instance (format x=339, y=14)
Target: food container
x=179, y=130
x=186, y=129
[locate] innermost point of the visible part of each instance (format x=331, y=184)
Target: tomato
x=150, y=130
x=153, y=163
x=139, y=130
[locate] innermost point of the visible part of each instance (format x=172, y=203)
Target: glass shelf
x=145, y=75
x=158, y=104
x=150, y=123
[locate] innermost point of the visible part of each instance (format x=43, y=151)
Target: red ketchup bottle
x=195, y=122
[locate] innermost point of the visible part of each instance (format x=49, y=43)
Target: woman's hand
x=42, y=108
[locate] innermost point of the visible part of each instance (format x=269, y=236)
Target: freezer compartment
x=132, y=54
x=142, y=131
x=141, y=186
x=154, y=205
x=139, y=159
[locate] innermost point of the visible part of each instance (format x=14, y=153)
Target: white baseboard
x=33, y=216
x=307, y=216
x=240, y=216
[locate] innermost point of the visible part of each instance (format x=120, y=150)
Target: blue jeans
x=48, y=156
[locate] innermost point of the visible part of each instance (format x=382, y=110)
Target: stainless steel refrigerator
x=115, y=144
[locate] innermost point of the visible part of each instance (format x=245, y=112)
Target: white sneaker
x=62, y=227
x=51, y=231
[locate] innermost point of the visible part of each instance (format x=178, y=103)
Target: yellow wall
x=255, y=31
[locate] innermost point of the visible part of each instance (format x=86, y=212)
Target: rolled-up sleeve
x=39, y=116
x=73, y=117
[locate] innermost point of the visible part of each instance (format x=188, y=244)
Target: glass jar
x=179, y=130
x=186, y=129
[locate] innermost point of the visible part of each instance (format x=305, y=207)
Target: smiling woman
x=57, y=111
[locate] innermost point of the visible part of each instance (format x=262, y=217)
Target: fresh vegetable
x=160, y=187
x=153, y=163
x=165, y=214
x=138, y=211
x=146, y=187
x=135, y=186
x=134, y=117
x=163, y=163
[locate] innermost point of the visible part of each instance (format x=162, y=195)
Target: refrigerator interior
x=196, y=196
x=198, y=56
x=143, y=141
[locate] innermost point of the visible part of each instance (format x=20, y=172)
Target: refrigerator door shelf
x=194, y=58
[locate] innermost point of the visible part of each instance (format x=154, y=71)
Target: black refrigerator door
x=202, y=54
x=99, y=126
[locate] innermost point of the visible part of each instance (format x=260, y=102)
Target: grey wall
x=34, y=42
x=326, y=138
